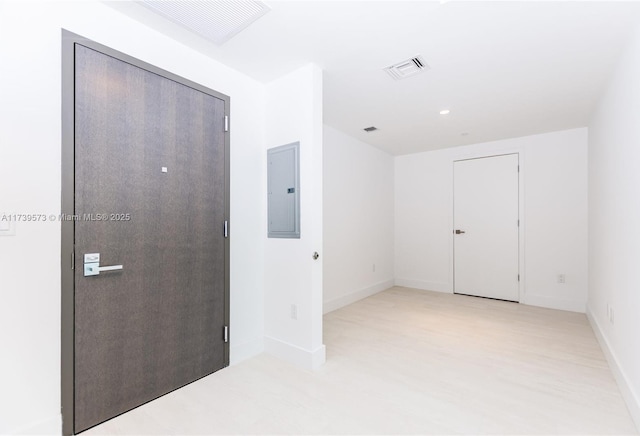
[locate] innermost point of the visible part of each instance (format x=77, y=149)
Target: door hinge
x=518, y=277
x=226, y=123
x=518, y=223
x=226, y=333
x=518, y=168
x=73, y=260
x=226, y=228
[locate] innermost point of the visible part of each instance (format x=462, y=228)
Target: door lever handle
x=110, y=268
x=94, y=269
x=458, y=232
x=92, y=265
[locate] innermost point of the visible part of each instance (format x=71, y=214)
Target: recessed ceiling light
x=445, y=112
x=370, y=129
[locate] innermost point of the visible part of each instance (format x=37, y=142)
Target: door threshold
x=487, y=298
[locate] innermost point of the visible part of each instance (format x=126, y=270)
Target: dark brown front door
x=150, y=195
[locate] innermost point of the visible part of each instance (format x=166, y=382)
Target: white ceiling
x=504, y=69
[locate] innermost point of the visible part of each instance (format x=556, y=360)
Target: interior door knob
x=458, y=232
x=315, y=255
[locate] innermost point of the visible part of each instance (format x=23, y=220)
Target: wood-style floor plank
x=406, y=361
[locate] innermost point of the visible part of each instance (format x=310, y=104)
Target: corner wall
x=292, y=276
x=553, y=216
x=30, y=114
x=614, y=218
x=358, y=220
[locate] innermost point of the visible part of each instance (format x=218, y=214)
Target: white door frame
x=466, y=154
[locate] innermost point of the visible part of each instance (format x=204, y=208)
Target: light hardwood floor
x=406, y=361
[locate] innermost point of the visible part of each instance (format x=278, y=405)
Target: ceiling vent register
x=217, y=21
x=408, y=68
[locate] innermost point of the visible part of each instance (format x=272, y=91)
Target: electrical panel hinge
x=226, y=333
x=226, y=123
x=226, y=228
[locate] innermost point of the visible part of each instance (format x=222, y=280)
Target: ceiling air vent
x=217, y=21
x=407, y=68
x=370, y=129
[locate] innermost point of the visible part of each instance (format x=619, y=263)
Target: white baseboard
x=246, y=350
x=352, y=297
x=425, y=286
x=630, y=397
x=307, y=359
x=46, y=426
x=554, y=303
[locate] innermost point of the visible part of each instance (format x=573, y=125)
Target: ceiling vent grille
x=407, y=68
x=217, y=21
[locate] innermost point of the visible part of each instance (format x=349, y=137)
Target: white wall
x=614, y=218
x=358, y=220
x=553, y=216
x=292, y=277
x=30, y=34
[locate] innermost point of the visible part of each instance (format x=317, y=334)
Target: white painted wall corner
x=631, y=398
x=554, y=303
x=352, y=297
x=307, y=359
x=246, y=350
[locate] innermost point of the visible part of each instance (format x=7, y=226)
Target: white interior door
x=486, y=242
